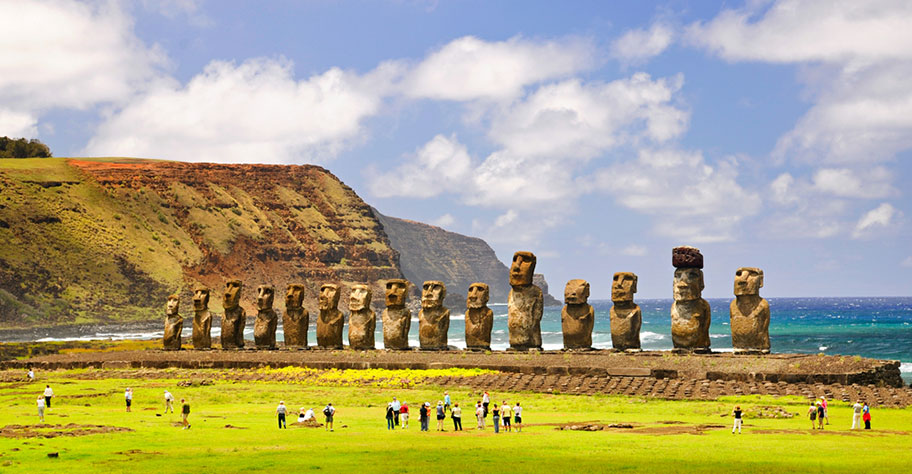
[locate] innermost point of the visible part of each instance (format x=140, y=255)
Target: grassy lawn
x=361, y=442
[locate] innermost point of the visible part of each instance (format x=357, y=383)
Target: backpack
x=814, y=415
x=327, y=412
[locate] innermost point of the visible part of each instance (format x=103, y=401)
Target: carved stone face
x=232, y=298
x=522, y=268
x=623, y=287
x=748, y=281
x=688, y=284
x=265, y=296
x=173, y=305
x=201, y=299
x=432, y=294
x=294, y=296
x=576, y=292
x=396, y=292
x=359, y=298
x=329, y=296
x=478, y=295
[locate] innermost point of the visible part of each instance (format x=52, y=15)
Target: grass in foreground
x=362, y=443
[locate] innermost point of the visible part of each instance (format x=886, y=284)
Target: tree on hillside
x=23, y=148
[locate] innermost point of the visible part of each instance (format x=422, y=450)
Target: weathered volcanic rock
x=686, y=257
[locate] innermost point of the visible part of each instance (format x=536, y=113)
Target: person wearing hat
x=281, y=410
x=737, y=414
x=423, y=415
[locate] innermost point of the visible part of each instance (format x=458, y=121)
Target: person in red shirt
x=404, y=414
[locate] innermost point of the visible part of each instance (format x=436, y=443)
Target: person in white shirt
x=128, y=396
x=48, y=393
x=856, y=415
x=506, y=411
x=479, y=415
x=41, y=409
x=396, y=407
x=485, y=401
x=517, y=417
x=31, y=375
x=329, y=412
x=281, y=410
x=305, y=414
x=169, y=402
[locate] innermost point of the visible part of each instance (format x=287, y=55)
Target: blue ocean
x=869, y=327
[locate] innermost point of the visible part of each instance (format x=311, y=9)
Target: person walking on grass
x=737, y=415
x=446, y=401
x=185, y=412
x=866, y=415
x=456, y=414
x=826, y=409
x=396, y=408
x=404, y=413
x=329, y=412
x=820, y=415
x=506, y=412
x=30, y=376
x=441, y=415
x=479, y=415
x=41, y=409
x=128, y=396
x=485, y=401
x=282, y=410
x=517, y=417
x=169, y=402
x=423, y=415
x=496, y=418
x=812, y=414
x=389, y=417
x=856, y=415
x=48, y=394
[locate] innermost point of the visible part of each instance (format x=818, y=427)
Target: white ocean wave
x=717, y=336
x=648, y=336
x=822, y=348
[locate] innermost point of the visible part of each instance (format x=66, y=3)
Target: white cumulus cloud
x=881, y=217
x=441, y=165
x=638, y=45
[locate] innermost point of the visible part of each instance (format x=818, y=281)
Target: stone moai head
x=688, y=284
x=478, y=295
x=433, y=293
x=748, y=281
x=232, y=298
x=576, y=292
x=294, y=296
x=623, y=287
x=359, y=298
x=396, y=292
x=522, y=269
x=201, y=299
x=173, y=305
x=265, y=296
x=329, y=296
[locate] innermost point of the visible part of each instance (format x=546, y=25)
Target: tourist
x=281, y=410
x=30, y=375
x=812, y=414
x=820, y=415
x=302, y=415
x=856, y=415
x=440, y=416
x=737, y=425
x=506, y=412
x=404, y=413
x=41, y=409
x=866, y=416
x=423, y=416
x=169, y=400
x=517, y=417
x=128, y=396
x=396, y=408
x=456, y=413
x=479, y=415
x=389, y=417
x=185, y=412
x=446, y=400
x=496, y=417
x=826, y=411
x=48, y=393
x=485, y=401
x=329, y=412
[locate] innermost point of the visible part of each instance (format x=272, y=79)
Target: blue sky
x=598, y=135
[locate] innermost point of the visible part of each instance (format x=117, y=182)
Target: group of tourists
x=499, y=414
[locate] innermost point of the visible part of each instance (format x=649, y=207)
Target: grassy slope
x=365, y=445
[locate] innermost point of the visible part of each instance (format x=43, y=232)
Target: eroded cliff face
x=106, y=240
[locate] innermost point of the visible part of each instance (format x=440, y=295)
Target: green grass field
x=362, y=443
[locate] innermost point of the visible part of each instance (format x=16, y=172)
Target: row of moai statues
x=690, y=313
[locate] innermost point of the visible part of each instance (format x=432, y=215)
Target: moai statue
x=690, y=313
x=433, y=319
x=626, y=317
x=235, y=317
x=331, y=321
x=479, y=319
x=264, y=327
x=750, y=314
x=578, y=316
x=174, y=324
x=296, y=319
x=202, y=319
x=525, y=304
x=362, y=321
x=397, y=319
